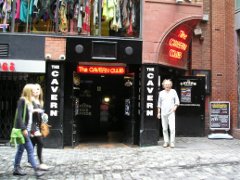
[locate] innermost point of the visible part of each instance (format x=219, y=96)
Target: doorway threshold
x=100, y=145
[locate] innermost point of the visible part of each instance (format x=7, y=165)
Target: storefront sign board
x=22, y=66
x=220, y=115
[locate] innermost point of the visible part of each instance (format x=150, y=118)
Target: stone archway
x=175, y=44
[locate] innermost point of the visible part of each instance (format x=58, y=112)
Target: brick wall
x=216, y=52
x=55, y=47
x=159, y=18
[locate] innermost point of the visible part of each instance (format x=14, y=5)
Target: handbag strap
x=24, y=115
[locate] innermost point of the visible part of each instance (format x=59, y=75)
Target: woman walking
x=25, y=125
x=36, y=135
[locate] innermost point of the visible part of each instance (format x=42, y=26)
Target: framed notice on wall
x=220, y=115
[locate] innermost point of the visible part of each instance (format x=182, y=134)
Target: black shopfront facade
x=95, y=94
x=112, y=102
x=102, y=92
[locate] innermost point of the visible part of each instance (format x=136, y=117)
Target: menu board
x=219, y=115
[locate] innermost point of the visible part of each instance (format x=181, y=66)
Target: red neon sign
x=101, y=69
x=4, y=66
x=182, y=35
x=178, y=46
x=175, y=54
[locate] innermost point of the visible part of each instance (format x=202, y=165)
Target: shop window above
x=71, y=17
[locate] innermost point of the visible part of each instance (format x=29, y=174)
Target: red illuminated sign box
x=7, y=66
x=118, y=70
x=178, y=45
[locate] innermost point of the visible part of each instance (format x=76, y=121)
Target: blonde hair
x=27, y=93
x=40, y=98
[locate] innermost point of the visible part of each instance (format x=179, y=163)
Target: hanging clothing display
x=87, y=17
x=108, y=9
x=5, y=10
x=81, y=11
x=24, y=10
x=63, y=23
x=116, y=22
x=17, y=15
x=125, y=14
x=86, y=20
x=95, y=12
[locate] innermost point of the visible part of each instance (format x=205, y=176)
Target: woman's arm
x=20, y=121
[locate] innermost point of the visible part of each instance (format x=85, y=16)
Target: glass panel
x=120, y=18
x=36, y=16
x=72, y=17
x=44, y=16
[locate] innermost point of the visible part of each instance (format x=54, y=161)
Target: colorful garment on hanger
x=86, y=20
x=108, y=9
x=63, y=24
x=26, y=10
x=7, y=6
x=17, y=15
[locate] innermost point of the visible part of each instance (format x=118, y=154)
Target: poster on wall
x=127, y=107
x=85, y=109
x=220, y=115
x=186, y=94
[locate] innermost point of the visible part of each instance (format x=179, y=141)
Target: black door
x=191, y=112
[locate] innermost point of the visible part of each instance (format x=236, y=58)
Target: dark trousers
x=38, y=140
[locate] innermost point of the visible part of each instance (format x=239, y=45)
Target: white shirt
x=167, y=100
x=30, y=113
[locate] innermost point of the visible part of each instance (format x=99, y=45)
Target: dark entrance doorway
x=191, y=112
x=172, y=74
x=11, y=85
x=99, y=108
x=190, y=115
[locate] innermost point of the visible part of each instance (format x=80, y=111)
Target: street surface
x=193, y=158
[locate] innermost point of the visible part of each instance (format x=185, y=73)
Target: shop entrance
x=99, y=108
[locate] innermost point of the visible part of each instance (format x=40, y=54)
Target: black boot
x=18, y=171
x=39, y=173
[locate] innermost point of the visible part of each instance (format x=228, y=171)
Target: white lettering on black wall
x=149, y=91
x=54, y=103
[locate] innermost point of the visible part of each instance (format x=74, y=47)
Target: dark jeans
x=20, y=149
x=37, y=140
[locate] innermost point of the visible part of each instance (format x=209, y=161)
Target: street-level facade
x=102, y=63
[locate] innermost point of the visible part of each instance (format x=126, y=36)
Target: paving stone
x=193, y=158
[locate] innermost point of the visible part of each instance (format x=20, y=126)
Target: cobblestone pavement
x=192, y=159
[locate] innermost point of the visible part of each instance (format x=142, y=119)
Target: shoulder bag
x=16, y=134
x=44, y=125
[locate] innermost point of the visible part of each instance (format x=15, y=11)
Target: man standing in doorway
x=168, y=102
